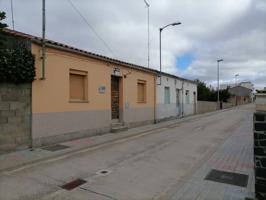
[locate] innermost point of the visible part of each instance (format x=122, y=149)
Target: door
x=178, y=106
x=115, y=97
x=195, y=102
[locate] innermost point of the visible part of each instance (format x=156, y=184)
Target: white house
x=175, y=97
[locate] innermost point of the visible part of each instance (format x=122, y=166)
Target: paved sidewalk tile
x=235, y=155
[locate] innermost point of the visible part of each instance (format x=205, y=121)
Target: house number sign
x=101, y=89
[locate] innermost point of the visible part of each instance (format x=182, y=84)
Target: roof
x=176, y=77
x=240, y=91
x=64, y=47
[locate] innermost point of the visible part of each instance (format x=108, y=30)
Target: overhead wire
x=91, y=27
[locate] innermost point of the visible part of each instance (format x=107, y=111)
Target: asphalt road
x=150, y=166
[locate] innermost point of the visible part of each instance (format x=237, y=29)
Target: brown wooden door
x=115, y=97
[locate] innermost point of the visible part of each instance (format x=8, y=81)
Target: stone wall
x=15, y=116
x=208, y=106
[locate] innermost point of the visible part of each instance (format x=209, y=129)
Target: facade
x=77, y=94
x=176, y=97
x=81, y=96
x=240, y=95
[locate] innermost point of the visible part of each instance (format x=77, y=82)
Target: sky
x=234, y=30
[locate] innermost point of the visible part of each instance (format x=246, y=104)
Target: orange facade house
x=83, y=94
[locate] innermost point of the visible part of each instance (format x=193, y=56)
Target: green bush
x=16, y=65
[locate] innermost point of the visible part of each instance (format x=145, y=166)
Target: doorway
x=115, y=97
x=178, y=105
x=194, y=103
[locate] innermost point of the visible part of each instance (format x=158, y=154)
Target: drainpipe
x=31, y=135
x=43, y=40
x=182, y=113
x=155, y=101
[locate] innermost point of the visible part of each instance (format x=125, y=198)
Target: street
x=169, y=163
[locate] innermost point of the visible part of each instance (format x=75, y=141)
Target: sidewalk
x=235, y=155
x=17, y=159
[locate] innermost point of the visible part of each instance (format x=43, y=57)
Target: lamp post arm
x=165, y=27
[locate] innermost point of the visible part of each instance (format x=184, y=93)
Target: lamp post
x=236, y=79
x=160, y=31
x=218, y=85
x=148, y=8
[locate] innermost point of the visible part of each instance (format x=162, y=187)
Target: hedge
x=16, y=65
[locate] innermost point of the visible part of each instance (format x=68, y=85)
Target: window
x=187, y=97
x=78, y=85
x=141, y=91
x=166, y=95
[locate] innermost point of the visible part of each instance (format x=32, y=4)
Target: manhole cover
x=228, y=178
x=73, y=184
x=56, y=147
x=103, y=172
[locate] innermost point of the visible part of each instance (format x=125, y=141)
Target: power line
x=91, y=27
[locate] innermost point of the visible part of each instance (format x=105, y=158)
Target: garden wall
x=15, y=116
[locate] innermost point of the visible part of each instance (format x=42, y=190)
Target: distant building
x=246, y=84
x=240, y=95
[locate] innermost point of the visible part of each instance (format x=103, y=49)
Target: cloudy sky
x=234, y=30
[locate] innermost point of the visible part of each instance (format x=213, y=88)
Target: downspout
x=43, y=40
x=31, y=135
x=155, y=98
x=182, y=115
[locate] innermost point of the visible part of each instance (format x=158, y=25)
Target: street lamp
x=236, y=79
x=218, y=85
x=160, y=30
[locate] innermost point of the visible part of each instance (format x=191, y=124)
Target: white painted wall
x=164, y=111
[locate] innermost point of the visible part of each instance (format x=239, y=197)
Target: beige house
x=81, y=94
x=78, y=94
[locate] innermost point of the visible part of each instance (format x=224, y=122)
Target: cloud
x=211, y=29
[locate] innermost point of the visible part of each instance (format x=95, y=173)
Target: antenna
x=43, y=40
x=148, y=8
x=12, y=13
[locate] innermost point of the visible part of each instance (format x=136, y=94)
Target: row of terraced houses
x=83, y=94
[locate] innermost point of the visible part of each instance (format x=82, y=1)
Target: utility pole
x=218, y=84
x=12, y=13
x=148, y=8
x=43, y=39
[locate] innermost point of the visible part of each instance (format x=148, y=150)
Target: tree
x=224, y=95
x=207, y=94
x=2, y=25
x=16, y=61
x=204, y=93
x=2, y=17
